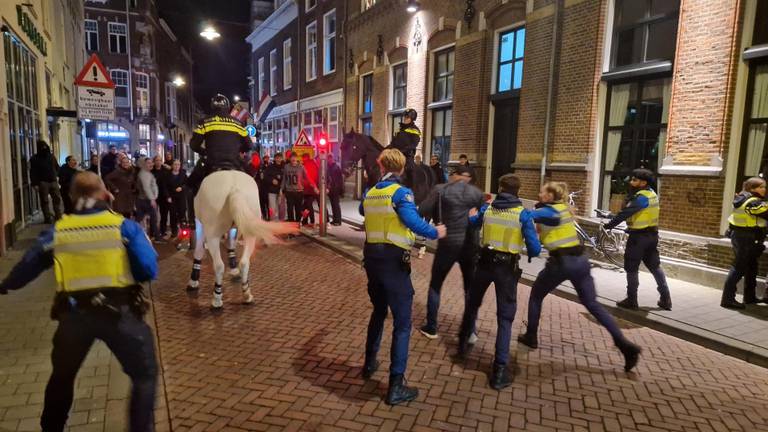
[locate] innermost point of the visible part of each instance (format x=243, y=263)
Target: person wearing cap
x=449, y=204
x=507, y=227
x=642, y=215
x=391, y=219
x=407, y=140
x=99, y=260
x=220, y=137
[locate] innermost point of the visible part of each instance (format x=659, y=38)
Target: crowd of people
x=150, y=190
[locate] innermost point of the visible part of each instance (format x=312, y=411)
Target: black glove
x=530, y=259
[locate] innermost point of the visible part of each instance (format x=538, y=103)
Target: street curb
x=705, y=338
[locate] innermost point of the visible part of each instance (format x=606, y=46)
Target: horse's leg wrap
x=217, y=296
x=232, y=258
x=194, y=278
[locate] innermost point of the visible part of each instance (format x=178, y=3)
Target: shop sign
x=28, y=27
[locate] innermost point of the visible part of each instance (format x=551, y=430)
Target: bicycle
x=610, y=244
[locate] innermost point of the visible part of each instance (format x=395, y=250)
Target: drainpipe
x=550, y=91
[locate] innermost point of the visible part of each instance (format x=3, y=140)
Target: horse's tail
x=249, y=221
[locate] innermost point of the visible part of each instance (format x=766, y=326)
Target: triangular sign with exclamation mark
x=93, y=74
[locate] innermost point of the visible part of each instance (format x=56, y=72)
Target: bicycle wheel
x=612, y=244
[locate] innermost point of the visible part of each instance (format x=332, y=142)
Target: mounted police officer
x=391, y=219
x=99, y=259
x=221, y=138
x=507, y=227
x=567, y=262
x=407, y=140
x=642, y=215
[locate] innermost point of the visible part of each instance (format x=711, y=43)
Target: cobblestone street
x=292, y=361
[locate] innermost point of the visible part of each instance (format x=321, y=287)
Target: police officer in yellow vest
x=99, y=259
x=642, y=215
x=507, y=227
x=391, y=219
x=567, y=262
x=747, y=224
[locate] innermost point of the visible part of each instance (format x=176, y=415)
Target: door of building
x=504, y=138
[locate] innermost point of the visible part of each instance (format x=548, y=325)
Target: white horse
x=194, y=278
x=224, y=198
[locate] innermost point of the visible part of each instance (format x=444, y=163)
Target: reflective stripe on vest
x=89, y=253
x=647, y=217
x=740, y=218
x=563, y=235
x=382, y=224
x=502, y=229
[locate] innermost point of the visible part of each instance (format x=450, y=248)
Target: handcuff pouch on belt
x=405, y=262
x=106, y=300
x=496, y=258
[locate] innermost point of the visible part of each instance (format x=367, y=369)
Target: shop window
x=91, y=35
x=636, y=131
x=311, y=51
x=443, y=85
x=117, y=38
x=329, y=42
x=643, y=31
x=510, y=60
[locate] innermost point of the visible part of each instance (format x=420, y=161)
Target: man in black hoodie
x=273, y=179
x=450, y=204
x=43, y=173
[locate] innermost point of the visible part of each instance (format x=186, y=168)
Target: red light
x=323, y=142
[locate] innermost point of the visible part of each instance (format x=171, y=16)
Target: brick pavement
x=291, y=361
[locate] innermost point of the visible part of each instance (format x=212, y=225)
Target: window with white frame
x=310, y=4
x=312, y=51
x=170, y=101
x=120, y=78
x=118, y=41
x=366, y=102
x=144, y=132
x=262, y=79
x=142, y=93
x=329, y=42
x=443, y=84
x=273, y=72
x=366, y=4
x=287, y=65
x=399, y=93
x=91, y=35
x=333, y=123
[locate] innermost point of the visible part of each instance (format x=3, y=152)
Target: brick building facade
x=581, y=91
x=153, y=98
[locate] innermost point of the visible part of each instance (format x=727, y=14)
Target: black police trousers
x=642, y=247
x=127, y=336
x=747, y=248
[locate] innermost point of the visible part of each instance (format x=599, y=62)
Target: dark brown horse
x=358, y=147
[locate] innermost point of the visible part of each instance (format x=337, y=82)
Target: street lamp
x=413, y=6
x=179, y=81
x=236, y=98
x=210, y=33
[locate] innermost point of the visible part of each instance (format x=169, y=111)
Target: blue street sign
x=251, y=130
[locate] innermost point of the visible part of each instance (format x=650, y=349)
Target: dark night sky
x=221, y=66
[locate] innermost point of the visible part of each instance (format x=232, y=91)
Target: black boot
x=665, y=302
x=370, y=368
x=500, y=377
x=398, y=391
x=529, y=340
x=627, y=303
x=631, y=354
x=732, y=304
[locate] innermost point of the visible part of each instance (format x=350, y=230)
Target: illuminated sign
x=112, y=134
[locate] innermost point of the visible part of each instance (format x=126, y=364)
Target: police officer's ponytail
x=752, y=183
x=559, y=190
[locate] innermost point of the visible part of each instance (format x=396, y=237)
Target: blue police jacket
x=405, y=208
x=505, y=201
x=142, y=256
x=546, y=215
x=635, y=204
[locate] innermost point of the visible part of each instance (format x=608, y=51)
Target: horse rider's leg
x=231, y=252
x=245, y=264
x=194, y=278
x=218, y=268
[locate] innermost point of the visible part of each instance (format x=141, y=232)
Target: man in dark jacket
x=109, y=161
x=66, y=175
x=450, y=204
x=335, y=189
x=273, y=179
x=261, y=175
x=43, y=173
x=434, y=164
x=164, y=197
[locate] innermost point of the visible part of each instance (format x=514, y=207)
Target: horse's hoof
x=217, y=302
x=248, y=298
x=193, y=285
x=234, y=273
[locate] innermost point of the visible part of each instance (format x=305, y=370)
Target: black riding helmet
x=220, y=104
x=410, y=113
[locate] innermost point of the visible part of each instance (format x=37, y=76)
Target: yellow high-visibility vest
x=89, y=253
x=502, y=230
x=563, y=235
x=647, y=217
x=382, y=224
x=740, y=218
